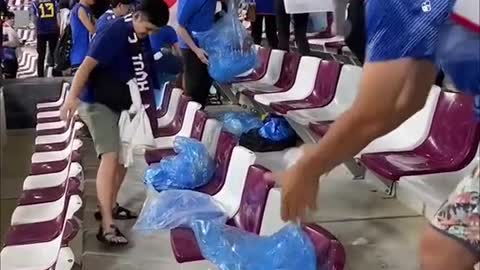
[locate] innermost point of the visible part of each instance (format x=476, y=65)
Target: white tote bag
x=308, y=6
x=135, y=130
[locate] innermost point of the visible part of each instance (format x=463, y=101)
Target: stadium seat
x=303, y=86
x=58, y=138
x=261, y=71
x=451, y=144
x=56, y=104
x=248, y=218
x=53, y=179
x=288, y=70
x=50, y=194
x=172, y=100
x=347, y=89
x=322, y=94
x=270, y=75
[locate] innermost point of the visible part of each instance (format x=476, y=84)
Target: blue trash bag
x=239, y=123
x=171, y=209
x=230, y=248
x=190, y=168
x=458, y=55
x=276, y=128
x=229, y=47
x=317, y=22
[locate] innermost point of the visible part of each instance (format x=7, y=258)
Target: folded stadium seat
x=205, y=130
x=303, y=87
x=63, y=137
x=323, y=90
x=337, y=46
x=451, y=144
x=263, y=56
x=248, y=218
x=172, y=100
x=35, y=241
x=54, y=179
x=270, y=75
x=43, y=195
x=181, y=125
x=347, y=89
x=56, y=104
x=52, y=128
x=330, y=252
x=288, y=70
x=406, y=137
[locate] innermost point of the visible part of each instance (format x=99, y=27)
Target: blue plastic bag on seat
x=276, y=128
x=190, y=168
x=230, y=248
x=229, y=47
x=239, y=123
x=177, y=208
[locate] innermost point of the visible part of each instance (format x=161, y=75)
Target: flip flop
x=113, y=238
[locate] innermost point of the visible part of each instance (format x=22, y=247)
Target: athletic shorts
x=102, y=123
x=459, y=216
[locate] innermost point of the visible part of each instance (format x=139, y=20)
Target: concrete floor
x=378, y=233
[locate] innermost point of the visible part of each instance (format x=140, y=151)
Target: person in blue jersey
x=407, y=42
x=10, y=43
x=47, y=27
x=83, y=27
x=166, y=52
x=195, y=18
x=99, y=90
x=118, y=8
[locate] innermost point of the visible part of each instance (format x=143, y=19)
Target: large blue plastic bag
x=276, y=128
x=229, y=47
x=171, y=209
x=230, y=248
x=190, y=168
x=239, y=123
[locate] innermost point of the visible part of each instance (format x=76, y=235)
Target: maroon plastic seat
x=323, y=91
x=176, y=125
x=54, y=166
x=52, y=146
x=56, y=108
x=167, y=95
x=48, y=120
x=336, y=45
x=51, y=194
x=330, y=252
x=154, y=156
x=451, y=144
x=320, y=128
x=46, y=132
x=290, y=64
x=263, y=57
x=249, y=217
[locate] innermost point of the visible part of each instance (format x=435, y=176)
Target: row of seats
x=440, y=139
x=239, y=185
x=43, y=223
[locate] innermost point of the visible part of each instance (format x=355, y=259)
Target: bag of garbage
x=239, y=123
x=230, y=248
x=229, y=47
x=171, y=209
x=276, y=128
x=190, y=168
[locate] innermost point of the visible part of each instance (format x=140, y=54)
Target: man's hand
x=68, y=108
x=299, y=192
x=202, y=55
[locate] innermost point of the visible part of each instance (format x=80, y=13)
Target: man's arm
x=381, y=106
x=185, y=36
x=82, y=15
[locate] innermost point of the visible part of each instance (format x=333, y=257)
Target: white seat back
x=274, y=67
x=412, y=132
x=211, y=134
x=272, y=221
x=347, y=87
x=172, y=108
x=185, y=131
x=59, y=101
x=230, y=196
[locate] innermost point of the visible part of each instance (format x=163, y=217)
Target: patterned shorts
x=459, y=216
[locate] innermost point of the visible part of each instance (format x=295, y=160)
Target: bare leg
x=440, y=252
x=120, y=176
x=106, y=183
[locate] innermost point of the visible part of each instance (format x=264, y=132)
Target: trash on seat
x=275, y=135
x=177, y=208
x=239, y=123
x=190, y=168
x=230, y=248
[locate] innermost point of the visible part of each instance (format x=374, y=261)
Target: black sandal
x=113, y=238
x=118, y=213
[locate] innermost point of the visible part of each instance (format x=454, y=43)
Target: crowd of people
x=398, y=48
